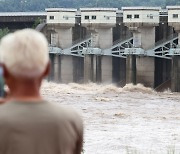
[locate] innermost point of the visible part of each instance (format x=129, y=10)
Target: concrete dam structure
x=107, y=45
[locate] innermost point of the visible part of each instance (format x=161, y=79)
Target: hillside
x=40, y=5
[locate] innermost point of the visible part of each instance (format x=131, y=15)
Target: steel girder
x=163, y=49
x=75, y=50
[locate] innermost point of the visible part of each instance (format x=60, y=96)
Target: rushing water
x=133, y=119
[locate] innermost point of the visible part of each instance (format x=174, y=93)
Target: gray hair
x=24, y=53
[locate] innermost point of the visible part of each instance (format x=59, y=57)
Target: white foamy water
x=133, y=119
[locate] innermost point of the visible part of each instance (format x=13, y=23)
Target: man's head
x=24, y=55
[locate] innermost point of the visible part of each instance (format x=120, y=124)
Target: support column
x=66, y=69
x=162, y=73
x=57, y=68
x=88, y=68
x=131, y=69
x=162, y=66
x=78, y=70
x=145, y=73
x=99, y=68
x=178, y=38
x=92, y=68
x=105, y=41
x=119, y=71
x=106, y=68
x=51, y=74
x=175, y=83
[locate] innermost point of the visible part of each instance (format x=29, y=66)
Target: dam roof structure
x=99, y=9
x=63, y=17
x=141, y=8
x=22, y=14
x=174, y=17
x=60, y=10
x=98, y=17
x=173, y=7
x=141, y=16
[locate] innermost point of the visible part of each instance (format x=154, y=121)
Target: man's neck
x=25, y=90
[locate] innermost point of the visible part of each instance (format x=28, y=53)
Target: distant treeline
x=40, y=5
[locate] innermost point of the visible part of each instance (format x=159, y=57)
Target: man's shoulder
x=69, y=112
x=63, y=109
x=54, y=112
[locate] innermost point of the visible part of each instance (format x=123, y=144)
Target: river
x=128, y=120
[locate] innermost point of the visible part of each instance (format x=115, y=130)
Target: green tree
x=37, y=22
x=3, y=32
x=40, y=5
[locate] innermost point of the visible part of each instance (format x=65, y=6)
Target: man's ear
x=47, y=70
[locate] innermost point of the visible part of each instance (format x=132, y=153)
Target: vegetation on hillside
x=40, y=5
x=3, y=32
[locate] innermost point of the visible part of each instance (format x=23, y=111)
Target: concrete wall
x=104, y=38
x=92, y=68
x=163, y=31
x=172, y=12
x=64, y=37
x=175, y=83
x=154, y=72
x=66, y=69
x=88, y=68
x=144, y=37
x=145, y=16
x=57, y=68
x=99, y=68
x=145, y=66
x=145, y=69
x=51, y=74
x=119, y=71
x=106, y=69
x=95, y=39
x=96, y=68
x=131, y=69
x=54, y=39
x=102, y=17
x=78, y=69
x=162, y=71
x=61, y=17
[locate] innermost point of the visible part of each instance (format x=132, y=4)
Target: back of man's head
x=24, y=53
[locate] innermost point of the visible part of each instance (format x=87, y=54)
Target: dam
x=107, y=45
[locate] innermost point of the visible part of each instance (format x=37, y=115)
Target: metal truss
x=55, y=50
x=163, y=49
x=118, y=49
x=75, y=50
